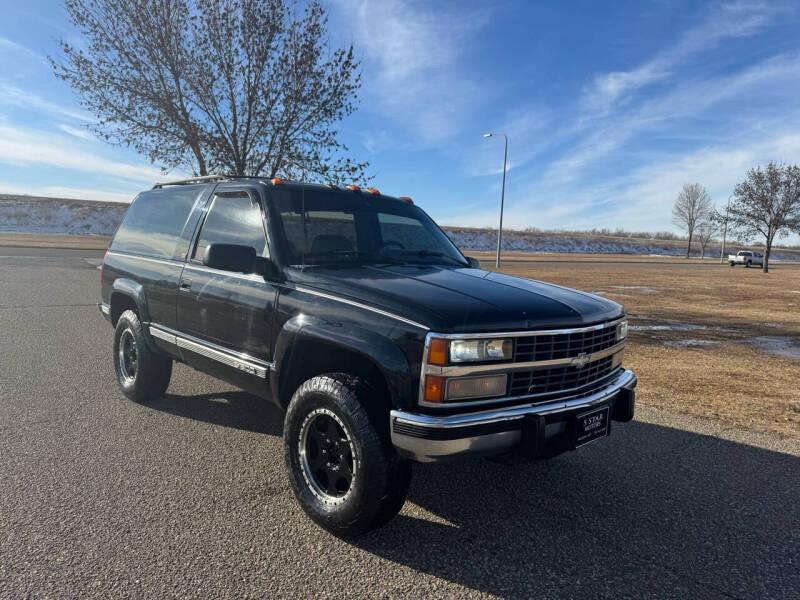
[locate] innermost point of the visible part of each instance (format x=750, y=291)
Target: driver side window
x=232, y=219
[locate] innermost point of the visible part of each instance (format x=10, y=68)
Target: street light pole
x=725, y=231
x=502, y=196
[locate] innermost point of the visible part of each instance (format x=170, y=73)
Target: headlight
x=480, y=350
x=622, y=330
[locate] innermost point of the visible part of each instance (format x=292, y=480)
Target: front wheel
x=733, y=264
x=345, y=475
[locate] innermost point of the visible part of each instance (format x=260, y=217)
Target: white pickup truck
x=747, y=258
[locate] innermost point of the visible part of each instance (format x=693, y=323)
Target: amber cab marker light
x=355, y=188
x=406, y=199
x=373, y=191
x=437, y=352
x=434, y=388
x=277, y=181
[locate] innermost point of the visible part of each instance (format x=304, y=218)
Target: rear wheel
x=345, y=475
x=142, y=373
x=733, y=264
x=749, y=263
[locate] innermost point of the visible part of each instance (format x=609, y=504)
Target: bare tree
x=767, y=203
x=246, y=87
x=706, y=231
x=692, y=207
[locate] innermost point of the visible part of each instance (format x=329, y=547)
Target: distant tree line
x=765, y=205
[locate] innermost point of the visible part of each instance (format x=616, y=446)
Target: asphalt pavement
x=187, y=496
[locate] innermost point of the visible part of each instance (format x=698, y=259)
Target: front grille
x=557, y=379
x=563, y=345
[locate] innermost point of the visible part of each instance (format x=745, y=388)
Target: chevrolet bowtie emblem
x=580, y=360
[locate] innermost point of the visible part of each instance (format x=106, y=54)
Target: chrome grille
x=558, y=379
x=563, y=345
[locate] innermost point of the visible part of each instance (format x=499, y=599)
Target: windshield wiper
x=361, y=255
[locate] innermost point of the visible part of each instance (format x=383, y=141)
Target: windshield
x=331, y=227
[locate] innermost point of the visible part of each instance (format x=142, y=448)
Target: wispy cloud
x=12, y=47
x=685, y=101
x=11, y=95
x=412, y=61
x=739, y=19
x=84, y=134
x=20, y=146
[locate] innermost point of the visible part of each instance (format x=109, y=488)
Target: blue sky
x=609, y=108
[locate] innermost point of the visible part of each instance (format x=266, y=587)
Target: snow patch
x=22, y=214
x=675, y=326
x=786, y=347
x=689, y=342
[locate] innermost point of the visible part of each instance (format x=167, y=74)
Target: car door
x=227, y=317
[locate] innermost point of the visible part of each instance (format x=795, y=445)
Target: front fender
x=372, y=347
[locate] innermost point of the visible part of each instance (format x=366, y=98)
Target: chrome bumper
x=429, y=438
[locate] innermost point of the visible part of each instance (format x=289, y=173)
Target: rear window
x=155, y=221
x=745, y=253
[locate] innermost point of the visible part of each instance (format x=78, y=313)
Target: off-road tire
x=380, y=477
x=149, y=379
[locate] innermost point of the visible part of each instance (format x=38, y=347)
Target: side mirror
x=230, y=257
x=474, y=262
x=267, y=268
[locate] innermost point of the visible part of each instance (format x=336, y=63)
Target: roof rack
x=200, y=179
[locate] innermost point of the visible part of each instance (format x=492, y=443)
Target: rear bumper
x=535, y=430
x=105, y=310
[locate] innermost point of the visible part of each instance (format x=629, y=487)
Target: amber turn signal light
x=434, y=388
x=437, y=352
x=373, y=191
x=406, y=199
x=355, y=188
x=277, y=181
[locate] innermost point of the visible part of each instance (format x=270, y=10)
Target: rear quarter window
x=155, y=221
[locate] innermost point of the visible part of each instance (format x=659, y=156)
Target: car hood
x=456, y=300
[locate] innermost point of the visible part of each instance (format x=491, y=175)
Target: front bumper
x=537, y=430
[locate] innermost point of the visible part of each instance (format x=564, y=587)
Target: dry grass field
x=55, y=240
x=706, y=339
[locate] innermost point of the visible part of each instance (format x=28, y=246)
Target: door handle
x=185, y=285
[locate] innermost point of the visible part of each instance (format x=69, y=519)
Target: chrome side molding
x=241, y=361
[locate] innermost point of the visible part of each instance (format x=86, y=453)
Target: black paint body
x=370, y=317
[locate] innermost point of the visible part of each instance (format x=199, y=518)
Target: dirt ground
x=702, y=334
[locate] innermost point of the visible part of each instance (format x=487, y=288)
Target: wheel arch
x=308, y=348
x=127, y=294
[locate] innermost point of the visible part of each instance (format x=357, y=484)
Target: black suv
x=356, y=314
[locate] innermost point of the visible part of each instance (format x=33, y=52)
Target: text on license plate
x=591, y=425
